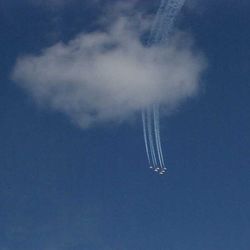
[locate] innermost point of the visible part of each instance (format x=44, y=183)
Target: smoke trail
x=164, y=20
x=157, y=115
x=160, y=32
x=162, y=167
x=157, y=23
x=145, y=136
x=151, y=142
x=156, y=135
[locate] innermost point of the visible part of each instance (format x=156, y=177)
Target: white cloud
x=109, y=75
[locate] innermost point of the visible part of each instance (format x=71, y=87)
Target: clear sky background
x=65, y=188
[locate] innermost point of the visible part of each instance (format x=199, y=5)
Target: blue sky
x=64, y=187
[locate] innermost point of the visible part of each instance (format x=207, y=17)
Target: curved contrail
x=156, y=134
x=160, y=31
x=150, y=136
x=157, y=131
x=145, y=136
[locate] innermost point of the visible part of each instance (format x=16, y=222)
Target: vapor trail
x=157, y=23
x=145, y=136
x=157, y=115
x=164, y=20
x=156, y=136
x=156, y=119
x=150, y=136
x=160, y=32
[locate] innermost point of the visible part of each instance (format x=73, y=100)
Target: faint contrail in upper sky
x=160, y=32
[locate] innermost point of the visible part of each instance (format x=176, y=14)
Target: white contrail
x=159, y=136
x=164, y=20
x=145, y=136
x=160, y=32
x=151, y=142
x=156, y=135
x=158, y=139
x=157, y=23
